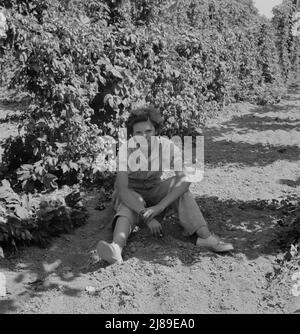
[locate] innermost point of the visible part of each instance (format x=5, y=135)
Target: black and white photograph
x=150, y=159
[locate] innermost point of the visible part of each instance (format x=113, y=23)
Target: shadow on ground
x=257, y=138
x=290, y=183
x=252, y=226
x=220, y=153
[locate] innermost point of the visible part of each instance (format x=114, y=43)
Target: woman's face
x=145, y=129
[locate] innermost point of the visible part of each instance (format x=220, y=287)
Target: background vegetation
x=85, y=63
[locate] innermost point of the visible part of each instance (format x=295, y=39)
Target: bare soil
x=252, y=154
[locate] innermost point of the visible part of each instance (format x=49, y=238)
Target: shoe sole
x=106, y=252
x=224, y=250
x=212, y=249
x=216, y=250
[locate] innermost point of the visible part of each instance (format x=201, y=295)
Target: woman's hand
x=152, y=212
x=155, y=228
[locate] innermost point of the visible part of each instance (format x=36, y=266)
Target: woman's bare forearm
x=178, y=190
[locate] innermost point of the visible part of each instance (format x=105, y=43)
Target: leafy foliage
x=27, y=219
x=85, y=63
x=287, y=43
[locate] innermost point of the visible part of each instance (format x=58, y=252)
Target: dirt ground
x=252, y=154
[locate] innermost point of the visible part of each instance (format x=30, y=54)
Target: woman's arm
x=126, y=195
x=180, y=187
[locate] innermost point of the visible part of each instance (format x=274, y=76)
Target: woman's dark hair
x=143, y=114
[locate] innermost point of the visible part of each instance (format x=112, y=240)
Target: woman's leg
x=122, y=231
x=193, y=221
x=112, y=252
x=191, y=218
x=189, y=214
x=124, y=221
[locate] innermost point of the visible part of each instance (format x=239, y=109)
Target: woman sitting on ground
x=143, y=195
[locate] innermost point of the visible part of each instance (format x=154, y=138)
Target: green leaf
x=115, y=73
x=65, y=168
x=176, y=73
x=28, y=235
x=49, y=181
x=21, y=212
x=6, y=184
x=73, y=165
x=61, y=145
x=39, y=170
x=1, y=251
